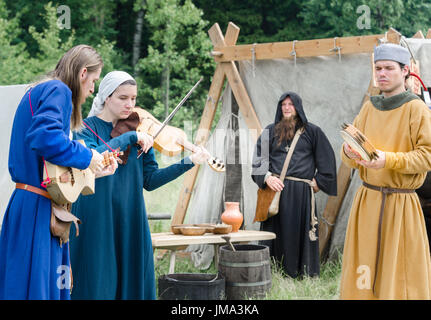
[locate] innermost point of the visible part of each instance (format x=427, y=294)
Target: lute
x=66, y=183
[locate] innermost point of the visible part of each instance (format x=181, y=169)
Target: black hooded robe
x=313, y=157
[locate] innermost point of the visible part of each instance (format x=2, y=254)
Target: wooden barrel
x=247, y=271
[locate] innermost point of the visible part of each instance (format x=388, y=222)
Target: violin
x=171, y=141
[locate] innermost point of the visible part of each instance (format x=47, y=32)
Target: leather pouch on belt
x=61, y=220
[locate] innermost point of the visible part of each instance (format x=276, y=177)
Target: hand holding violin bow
x=145, y=141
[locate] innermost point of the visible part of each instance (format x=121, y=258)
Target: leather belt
x=385, y=191
x=36, y=190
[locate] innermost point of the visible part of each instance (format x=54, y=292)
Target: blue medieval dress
x=113, y=257
x=32, y=263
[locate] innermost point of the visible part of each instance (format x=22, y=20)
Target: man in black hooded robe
x=296, y=246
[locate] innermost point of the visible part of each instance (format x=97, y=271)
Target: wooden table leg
x=216, y=254
x=172, y=262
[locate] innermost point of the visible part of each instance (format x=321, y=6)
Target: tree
x=178, y=54
x=13, y=57
x=336, y=18
x=51, y=48
x=18, y=66
x=259, y=21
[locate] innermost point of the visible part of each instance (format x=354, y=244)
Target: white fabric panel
x=206, y=203
x=10, y=96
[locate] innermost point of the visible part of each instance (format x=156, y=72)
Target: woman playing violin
x=113, y=256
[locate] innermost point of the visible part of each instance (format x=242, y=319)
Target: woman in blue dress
x=113, y=257
x=33, y=265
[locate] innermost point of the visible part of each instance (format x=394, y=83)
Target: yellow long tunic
x=404, y=267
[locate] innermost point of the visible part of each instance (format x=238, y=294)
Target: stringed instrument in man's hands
x=66, y=183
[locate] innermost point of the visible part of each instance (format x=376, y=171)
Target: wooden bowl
x=222, y=229
x=208, y=226
x=193, y=231
x=176, y=228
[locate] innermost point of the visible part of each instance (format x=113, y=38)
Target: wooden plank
x=393, y=36
x=216, y=36
x=166, y=240
x=231, y=35
x=201, y=137
x=419, y=35
x=428, y=34
x=304, y=48
x=206, y=120
x=243, y=100
x=236, y=83
x=210, y=106
x=332, y=208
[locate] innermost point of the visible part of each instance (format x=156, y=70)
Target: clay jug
x=232, y=215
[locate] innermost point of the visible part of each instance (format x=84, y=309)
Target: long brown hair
x=67, y=70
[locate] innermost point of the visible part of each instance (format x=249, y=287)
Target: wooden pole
x=304, y=48
x=237, y=85
x=243, y=100
x=210, y=108
x=419, y=35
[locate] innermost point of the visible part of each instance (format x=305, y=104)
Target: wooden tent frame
x=226, y=52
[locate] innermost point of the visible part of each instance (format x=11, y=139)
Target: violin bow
x=171, y=115
x=177, y=108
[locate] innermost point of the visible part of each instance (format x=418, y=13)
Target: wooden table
x=173, y=242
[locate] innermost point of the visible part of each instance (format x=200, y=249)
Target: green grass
x=325, y=287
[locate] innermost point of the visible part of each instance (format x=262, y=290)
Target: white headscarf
x=107, y=86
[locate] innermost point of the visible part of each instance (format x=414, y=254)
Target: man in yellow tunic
x=386, y=251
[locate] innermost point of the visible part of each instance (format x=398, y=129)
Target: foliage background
x=164, y=43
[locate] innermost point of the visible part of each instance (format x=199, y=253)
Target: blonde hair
x=67, y=70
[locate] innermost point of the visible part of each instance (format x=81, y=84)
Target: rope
x=253, y=59
x=383, y=40
x=293, y=52
x=336, y=48
x=326, y=221
x=403, y=39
